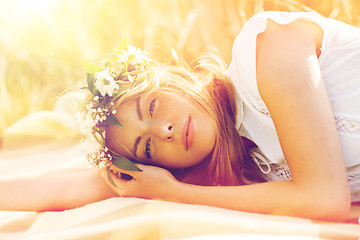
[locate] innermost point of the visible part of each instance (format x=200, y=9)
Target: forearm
x=280, y=198
x=56, y=190
x=304, y=197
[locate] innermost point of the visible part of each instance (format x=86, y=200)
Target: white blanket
x=132, y=218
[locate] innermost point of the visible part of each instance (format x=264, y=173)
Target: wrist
x=172, y=192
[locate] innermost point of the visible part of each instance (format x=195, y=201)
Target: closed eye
x=151, y=107
x=147, y=148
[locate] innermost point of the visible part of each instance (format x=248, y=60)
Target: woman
x=293, y=73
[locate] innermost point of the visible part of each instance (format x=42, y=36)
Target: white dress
x=340, y=68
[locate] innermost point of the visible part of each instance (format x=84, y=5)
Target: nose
x=164, y=130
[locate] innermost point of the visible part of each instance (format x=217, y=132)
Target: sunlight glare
x=41, y=5
x=32, y=8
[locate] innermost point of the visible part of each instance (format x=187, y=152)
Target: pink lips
x=187, y=136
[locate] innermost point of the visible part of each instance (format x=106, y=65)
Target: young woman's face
x=163, y=129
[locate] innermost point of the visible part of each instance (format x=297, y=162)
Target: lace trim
x=281, y=171
x=353, y=179
x=355, y=197
x=284, y=172
x=354, y=182
x=353, y=176
x=347, y=124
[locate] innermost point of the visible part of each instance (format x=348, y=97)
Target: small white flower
x=89, y=106
x=92, y=146
x=105, y=83
x=114, y=112
x=96, y=98
x=97, y=118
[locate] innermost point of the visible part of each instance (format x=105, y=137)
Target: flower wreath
x=106, y=85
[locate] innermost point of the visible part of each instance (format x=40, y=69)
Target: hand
x=152, y=182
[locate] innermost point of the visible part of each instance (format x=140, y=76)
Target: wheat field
x=43, y=41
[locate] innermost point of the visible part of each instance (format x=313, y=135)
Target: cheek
x=170, y=156
x=117, y=141
x=207, y=132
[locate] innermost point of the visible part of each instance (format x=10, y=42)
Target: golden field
x=43, y=41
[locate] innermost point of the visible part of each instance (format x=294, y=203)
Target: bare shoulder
x=287, y=50
x=303, y=30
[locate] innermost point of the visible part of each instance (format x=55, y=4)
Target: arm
x=290, y=84
x=57, y=190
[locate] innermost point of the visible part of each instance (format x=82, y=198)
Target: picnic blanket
x=43, y=141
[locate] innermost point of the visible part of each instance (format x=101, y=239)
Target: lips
x=187, y=136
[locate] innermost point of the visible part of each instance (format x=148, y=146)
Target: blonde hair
x=207, y=85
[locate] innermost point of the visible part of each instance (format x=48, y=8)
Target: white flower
x=92, y=146
x=105, y=83
x=140, y=56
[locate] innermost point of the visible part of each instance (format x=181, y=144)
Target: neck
x=197, y=174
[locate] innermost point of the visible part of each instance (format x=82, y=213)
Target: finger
x=103, y=173
x=120, y=174
x=112, y=181
x=128, y=172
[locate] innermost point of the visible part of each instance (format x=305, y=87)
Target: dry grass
x=42, y=41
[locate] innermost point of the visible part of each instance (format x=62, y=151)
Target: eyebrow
x=138, y=139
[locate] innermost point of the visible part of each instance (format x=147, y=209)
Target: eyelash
x=151, y=107
x=147, y=149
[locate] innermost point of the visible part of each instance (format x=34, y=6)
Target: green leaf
x=122, y=45
x=112, y=120
x=125, y=164
x=91, y=67
x=109, y=177
x=97, y=93
x=99, y=138
x=131, y=57
x=91, y=83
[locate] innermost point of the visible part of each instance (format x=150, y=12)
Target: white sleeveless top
x=340, y=67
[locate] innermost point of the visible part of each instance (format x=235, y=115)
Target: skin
x=54, y=191
x=158, y=119
x=287, y=66
x=290, y=83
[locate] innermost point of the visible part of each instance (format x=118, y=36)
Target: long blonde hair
x=208, y=85
x=231, y=162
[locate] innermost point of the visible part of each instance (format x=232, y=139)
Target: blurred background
x=42, y=41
